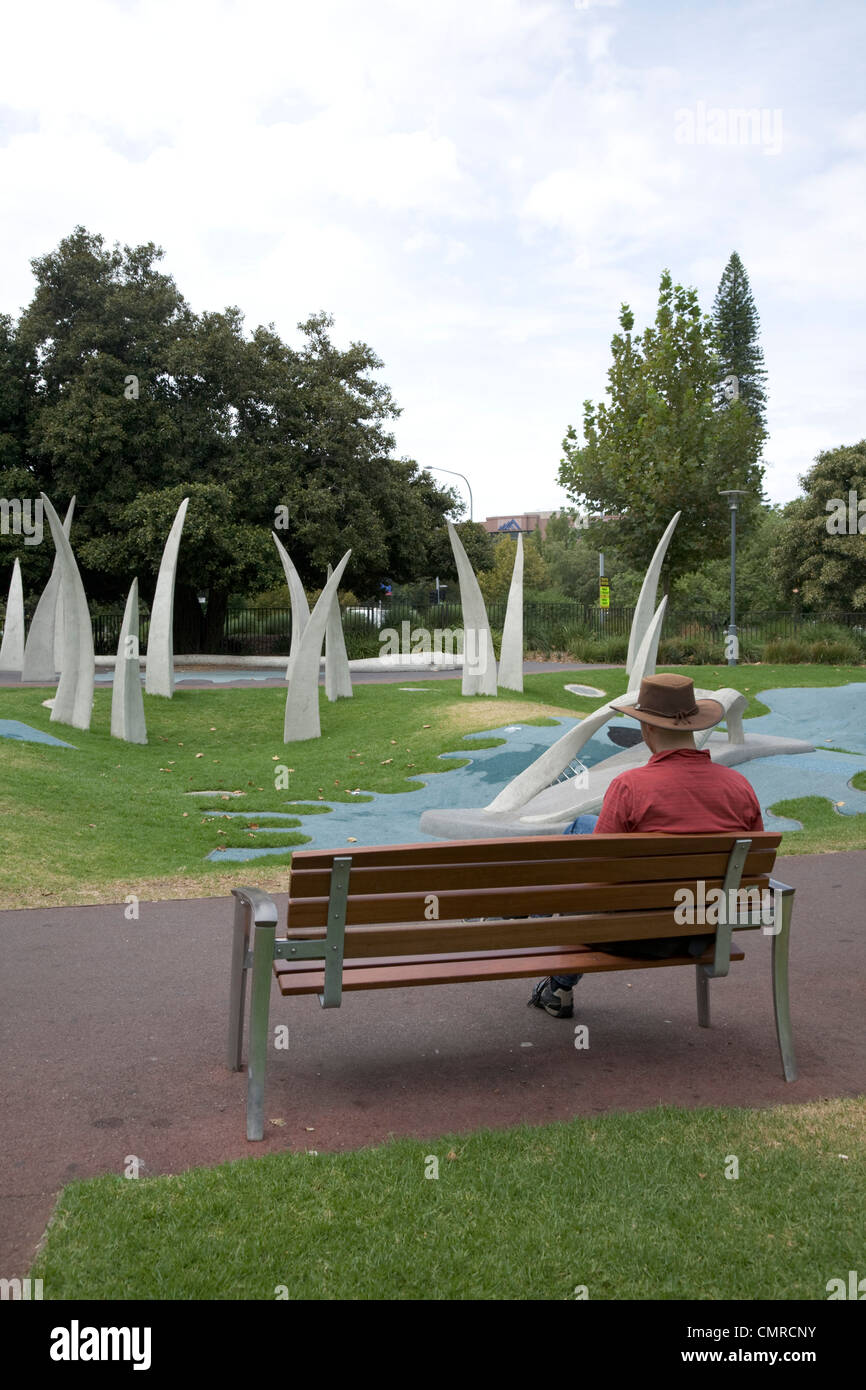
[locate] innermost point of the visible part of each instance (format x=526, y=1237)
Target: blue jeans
x=584, y=825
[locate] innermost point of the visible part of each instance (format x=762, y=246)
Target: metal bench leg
x=703, y=984
x=263, y=960
x=237, y=996
x=781, y=1002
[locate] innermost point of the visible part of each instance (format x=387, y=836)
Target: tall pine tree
x=736, y=322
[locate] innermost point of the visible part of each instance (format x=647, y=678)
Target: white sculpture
x=647, y=600
x=127, y=702
x=338, y=679
x=12, y=645
x=546, y=796
x=159, y=679
x=302, y=701
x=43, y=653
x=479, y=660
x=73, y=702
x=553, y=761
x=297, y=599
x=511, y=651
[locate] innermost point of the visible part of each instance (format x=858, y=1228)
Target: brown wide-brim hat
x=668, y=702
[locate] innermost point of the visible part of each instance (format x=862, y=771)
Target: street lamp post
x=431, y=468
x=733, y=495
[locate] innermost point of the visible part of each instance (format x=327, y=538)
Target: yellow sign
x=604, y=593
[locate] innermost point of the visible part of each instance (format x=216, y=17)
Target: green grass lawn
x=627, y=1206
x=111, y=818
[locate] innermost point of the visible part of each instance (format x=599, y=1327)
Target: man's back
x=680, y=791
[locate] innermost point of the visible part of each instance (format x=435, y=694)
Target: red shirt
x=679, y=792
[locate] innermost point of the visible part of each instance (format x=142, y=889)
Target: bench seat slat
x=457, y=971
x=532, y=847
x=315, y=883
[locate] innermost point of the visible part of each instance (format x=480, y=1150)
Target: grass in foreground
x=111, y=819
x=630, y=1206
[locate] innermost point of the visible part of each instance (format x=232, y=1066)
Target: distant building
x=524, y=521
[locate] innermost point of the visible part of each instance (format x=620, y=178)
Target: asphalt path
x=114, y=1037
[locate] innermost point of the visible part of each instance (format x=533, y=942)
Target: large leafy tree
x=659, y=443
x=132, y=401
x=821, y=551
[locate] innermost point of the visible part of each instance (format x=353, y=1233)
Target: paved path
x=7, y=679
x=114, y=1035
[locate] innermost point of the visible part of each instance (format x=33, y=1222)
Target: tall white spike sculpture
x=127, y=702
x=338, y=678
x=43, y=653
x=12, y=645
x=302, y=701
x=479, y=660
x=73, y=702
x=297, y=599
x=59, y=625
x=159, y=677
x=511, y=651
x=647, y=601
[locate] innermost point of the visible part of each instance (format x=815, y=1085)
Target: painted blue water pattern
x=392, y=818
x=25, y=733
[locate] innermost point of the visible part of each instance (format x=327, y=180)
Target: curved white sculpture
x=338, y=679
x=554, y=760
x=59, y=624
x=12, y=645
x=302, y=702
x=127, y=701
x=297, y=600
x=647, y=600
x=43, y=652
x=511, y=651
x=73, y=702
x=569, y=799
x=159, y=678
x=479, y=660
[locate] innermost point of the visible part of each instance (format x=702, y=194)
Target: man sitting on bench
x=680, y=791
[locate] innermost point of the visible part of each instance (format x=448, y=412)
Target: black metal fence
x=267, y=631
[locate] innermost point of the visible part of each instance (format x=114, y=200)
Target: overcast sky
x=470, y=186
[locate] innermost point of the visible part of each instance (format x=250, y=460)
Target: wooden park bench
x=403, y=915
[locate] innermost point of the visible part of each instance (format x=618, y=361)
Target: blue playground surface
x=835, y=716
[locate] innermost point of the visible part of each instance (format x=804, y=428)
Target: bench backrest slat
x=433, y=938
x=531, y=847
x=439, y=878
x=410, y=908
